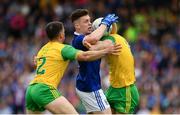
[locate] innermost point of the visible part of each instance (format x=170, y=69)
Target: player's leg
x=49, y=98
x=134, y=98
x=61, y=105
x=94, y=102
x=113, y=111
x=106, y=111
x=31, y=106
x=116, y=99
x=123, y=100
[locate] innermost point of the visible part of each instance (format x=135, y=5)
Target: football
x=97, y=23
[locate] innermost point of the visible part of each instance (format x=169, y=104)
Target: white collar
x=77, y=33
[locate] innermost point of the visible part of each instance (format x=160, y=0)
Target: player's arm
x=98, y=33
x=100, y=45
x=95, y=35
x=105, y=42
x=94, y=55
x=70, y=53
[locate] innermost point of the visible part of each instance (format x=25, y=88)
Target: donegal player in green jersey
x=122, y=94
x=52, y=60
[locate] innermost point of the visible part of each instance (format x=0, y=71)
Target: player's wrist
x=109, y=20
x=106, y=23
x=106, y=51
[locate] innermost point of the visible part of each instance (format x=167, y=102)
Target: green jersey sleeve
x=69, y=53
x=108, y=38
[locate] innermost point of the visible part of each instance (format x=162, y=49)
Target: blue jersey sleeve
x=78, y=42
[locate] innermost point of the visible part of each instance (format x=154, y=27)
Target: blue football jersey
x=88, y=78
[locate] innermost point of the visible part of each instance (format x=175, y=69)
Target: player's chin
x=89, y=31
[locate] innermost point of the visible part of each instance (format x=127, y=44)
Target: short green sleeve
x=108, y=38
x=69, y=53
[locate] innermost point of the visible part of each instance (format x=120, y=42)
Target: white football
x=97, y=23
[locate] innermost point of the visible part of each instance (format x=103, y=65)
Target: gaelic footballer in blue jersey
x=88, y=82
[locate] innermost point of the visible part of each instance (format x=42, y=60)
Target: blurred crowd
x=152, y=28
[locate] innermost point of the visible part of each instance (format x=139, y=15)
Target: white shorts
x=93, y=101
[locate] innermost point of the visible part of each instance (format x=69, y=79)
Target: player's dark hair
x=53, y=29
x=78, y=13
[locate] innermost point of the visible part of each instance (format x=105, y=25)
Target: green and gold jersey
x=121, y=66
x=52, y=61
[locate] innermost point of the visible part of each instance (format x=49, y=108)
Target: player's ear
x=76, y=24
x=61, y=35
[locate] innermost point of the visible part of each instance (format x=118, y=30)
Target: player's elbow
x=91, y=39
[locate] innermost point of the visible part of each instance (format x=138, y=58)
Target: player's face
x=85, y=25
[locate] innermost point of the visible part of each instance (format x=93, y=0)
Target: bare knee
x=107, y=111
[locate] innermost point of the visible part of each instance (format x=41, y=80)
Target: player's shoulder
x=78, y=36
x=78, y=41
x=55, y=46
x=116, y=36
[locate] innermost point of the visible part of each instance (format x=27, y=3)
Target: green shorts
x=123, y=100
x=38, y=95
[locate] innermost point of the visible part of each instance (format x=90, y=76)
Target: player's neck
x=57, y=40
x=79, y=32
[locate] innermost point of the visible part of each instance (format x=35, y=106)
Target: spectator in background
x=17, y=24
